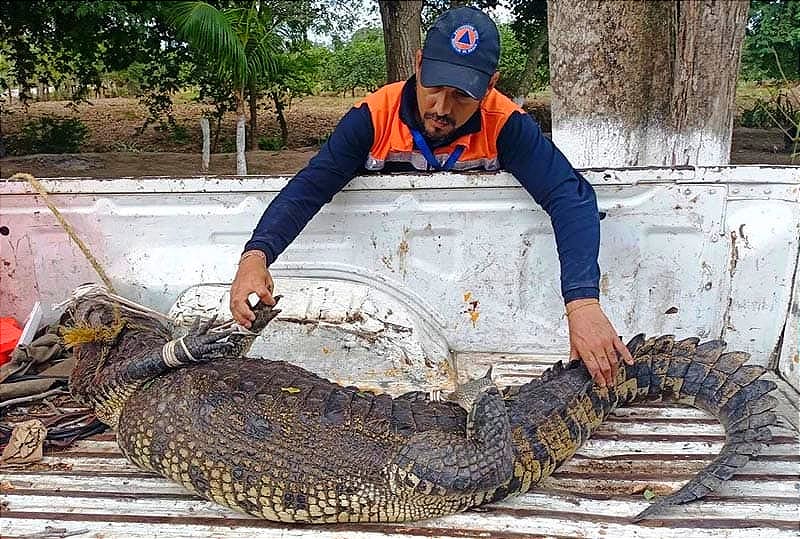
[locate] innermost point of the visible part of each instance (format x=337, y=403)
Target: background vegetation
x=79, y=52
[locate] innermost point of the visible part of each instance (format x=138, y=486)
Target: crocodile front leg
x=198, y=346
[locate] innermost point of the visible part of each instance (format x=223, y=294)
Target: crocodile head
x=118, y=349
x=107, y=341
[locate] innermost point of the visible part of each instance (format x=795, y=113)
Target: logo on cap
x=465, y=39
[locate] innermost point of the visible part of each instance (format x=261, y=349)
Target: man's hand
x=252, y=276
x=593, y=339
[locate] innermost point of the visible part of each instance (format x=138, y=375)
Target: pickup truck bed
x=407, y=281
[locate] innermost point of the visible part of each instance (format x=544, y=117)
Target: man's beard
x=433, y=135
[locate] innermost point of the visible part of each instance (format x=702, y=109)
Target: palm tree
x=243, y=42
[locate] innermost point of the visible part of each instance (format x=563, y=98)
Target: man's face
x=443, y=109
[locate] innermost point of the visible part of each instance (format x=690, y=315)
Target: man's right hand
x=252, y=276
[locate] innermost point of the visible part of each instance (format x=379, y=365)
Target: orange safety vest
x=393, y=141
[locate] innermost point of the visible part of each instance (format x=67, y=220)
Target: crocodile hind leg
x=444, y=464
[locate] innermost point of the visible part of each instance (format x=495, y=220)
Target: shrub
x=179, y=134
x=228, y=145
x=323, y=138
x=270, y=143
x=756, y=115
x=50, y=135
x=780, y=112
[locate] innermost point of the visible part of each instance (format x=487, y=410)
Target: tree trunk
x=402, y=20
x=531, y=64
x=645, y=83
x=281, y=118
x=253, y=104
x=2, y=137
x=216, y=134
x=241, y=162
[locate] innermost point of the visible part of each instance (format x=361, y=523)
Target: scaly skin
x=278, y=442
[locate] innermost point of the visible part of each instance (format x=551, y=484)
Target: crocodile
x=273, y=440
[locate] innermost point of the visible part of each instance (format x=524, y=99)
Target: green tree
x=512, y=62
x=530, y=28
x=73, y=43
x=243, y=42
x=294, y=76
x=215, y=94
x=773, y=29
x=431, y=9
x=359, y=63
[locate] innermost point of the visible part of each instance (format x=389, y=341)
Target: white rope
x=239, y=330
x=435, y=395
x=186, y=350
x=168, y=355
x=100, y=293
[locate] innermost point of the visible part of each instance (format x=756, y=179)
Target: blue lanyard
x=419, y=140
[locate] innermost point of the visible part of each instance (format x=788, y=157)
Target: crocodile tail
x=705, y=376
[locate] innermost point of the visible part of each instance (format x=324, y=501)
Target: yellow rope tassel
x=83, y=334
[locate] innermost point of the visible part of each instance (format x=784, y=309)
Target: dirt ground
x=114, y=149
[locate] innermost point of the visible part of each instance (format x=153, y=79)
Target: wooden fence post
x=204, y=126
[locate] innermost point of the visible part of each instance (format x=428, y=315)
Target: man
x=449, y=117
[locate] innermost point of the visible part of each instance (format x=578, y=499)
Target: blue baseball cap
x=461, y=50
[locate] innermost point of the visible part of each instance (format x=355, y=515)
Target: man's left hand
x=593, y=339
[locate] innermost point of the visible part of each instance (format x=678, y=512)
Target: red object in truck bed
x=9, y=336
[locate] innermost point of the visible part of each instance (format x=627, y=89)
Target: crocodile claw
x=243, y=338
x=264, y=314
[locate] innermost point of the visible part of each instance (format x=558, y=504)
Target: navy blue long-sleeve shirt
x=523, y=151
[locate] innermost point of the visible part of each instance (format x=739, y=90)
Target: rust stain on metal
x=734, y=254
x=402, y=252
x=734, y=261
x=678, y=523
x=228, y=522
x=472, y=308
x=39, y=467
x=402, y=249
x=744, y=237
